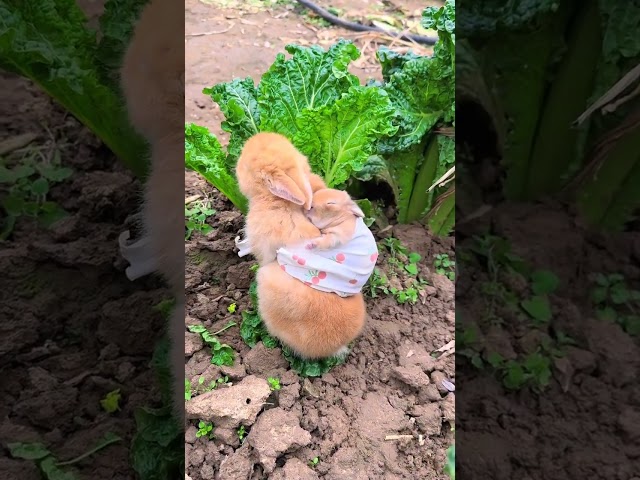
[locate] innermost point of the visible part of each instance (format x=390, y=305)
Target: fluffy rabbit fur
x=278, y=182
x=152, y=79
x=312, y=323
x=335, y=214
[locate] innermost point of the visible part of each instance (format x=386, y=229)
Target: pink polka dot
x=315, y=280
x=322, y=275
x=340, y=257
x=295, y=257
x=374, y=257
x=301, y=261
x=284, y=269
x=353, y=282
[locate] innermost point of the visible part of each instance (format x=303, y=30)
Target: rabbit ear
x=309, y=192
x=283, y=186
x=355, y=209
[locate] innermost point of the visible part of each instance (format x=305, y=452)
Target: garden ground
x=335, y=426
x=66, y=336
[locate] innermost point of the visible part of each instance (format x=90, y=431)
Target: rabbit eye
x=331, y=203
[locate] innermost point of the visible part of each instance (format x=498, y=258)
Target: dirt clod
x=437, y=377
x=412, y=376
x=261, y=360
x=277, y=432
x=192, y=343
x=415, y=354
x=428, y=418
x=230, y=407
x=237, y=466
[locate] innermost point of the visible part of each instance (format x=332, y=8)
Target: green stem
x=228, y=326
x=104, y=443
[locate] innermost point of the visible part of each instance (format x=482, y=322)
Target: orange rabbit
x=277, y=180
x=152, y=79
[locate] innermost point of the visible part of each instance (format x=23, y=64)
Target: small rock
x=428, y=418
x=190, y=434
x=429, y=394
x=448, y=408
x=288, y=395
x=206, y=472
x=415, y=354
x=310, y=389
x=192, y=343
x=430, y=291
x=437, y=377
x=289, y=377
x=234, y=372
x=237, y=466
x=228, y=436
x=197, y=364
x=230, y=407
x=444, y=286
x=275, y=433
x=264, y=361
x=330, y=379
x=412, y=376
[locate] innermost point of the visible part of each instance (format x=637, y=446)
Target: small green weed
x=28, y=185
x=527, y=300
x=241, y=433
x=196, y=218
x=111, y=402
x=165, y=307
x=378, y=283
x=222, y=354
x=403, y=270
x=274, y=383
x=156, y=450
x=205, y=429
x=450, y=467
x=187, y=390
x=48, y=464
x=232, y=308
x=616, y=302
x=314, y=462
x=445, y=266
x=202, y=388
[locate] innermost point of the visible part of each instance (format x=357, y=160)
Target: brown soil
x=347, y=412
x=584, y=425
x=66, y=335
